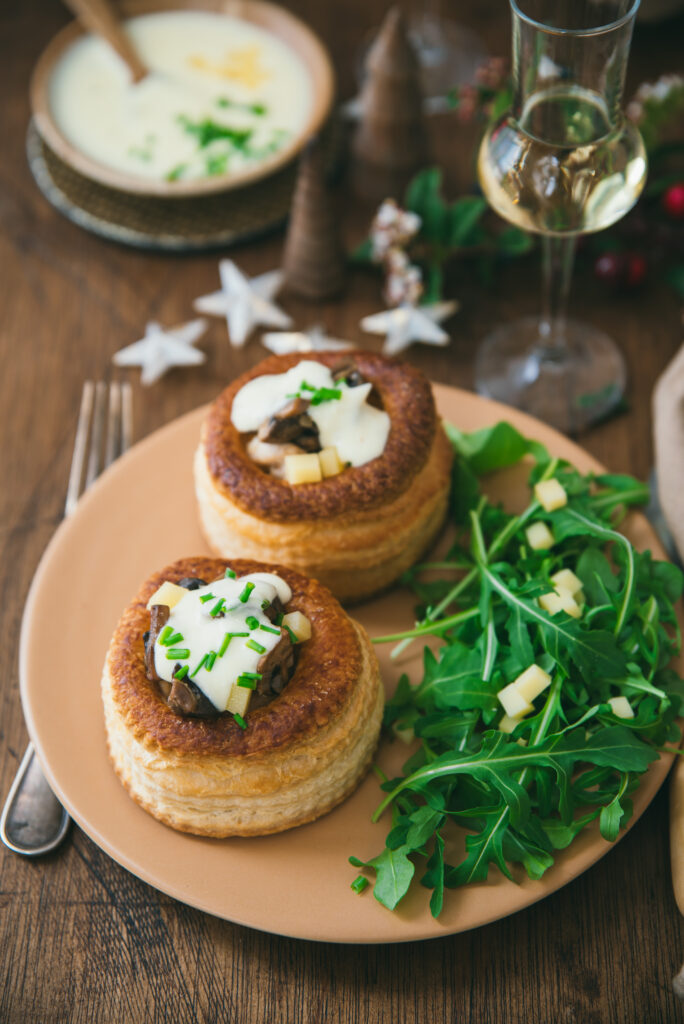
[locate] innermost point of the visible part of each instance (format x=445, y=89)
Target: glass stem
x=558, y=256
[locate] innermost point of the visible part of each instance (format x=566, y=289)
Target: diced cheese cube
x=550, y=494
x=539, y=536
x=406, y=735
x=299, y=624
x=513, y=702
x=560, y=600
x=567, y=579
x=621, y=707
x=508, y=723
x=169, y=594
x=238, y=699
x=330, y=462
x=532, y=682
x=303, y=469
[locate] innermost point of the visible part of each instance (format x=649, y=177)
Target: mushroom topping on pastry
x=314, y=716
x=305, y=410
x=354, y=514
x=292, y=424
x=214, y=645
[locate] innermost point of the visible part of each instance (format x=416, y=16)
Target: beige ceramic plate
x=138, y=517
x=289, y=29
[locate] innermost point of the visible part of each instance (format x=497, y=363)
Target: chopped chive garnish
x=360, y=883
x=179, y=653
x=240, y=720
x=246, y=682
x=226, y=640
x=251, y=675
x=165, y=634
x=320, y=395
x=270, y=629
x=230, y=575
x=204, y=658
x=252, y=621
x=259, y=648
x=244, y=596
x=279, y=618
x=181, y=672
x=207, y=597
x=218, y=608
x=265, y=604
x=209, y=660
x=293, y=635
x=177, y=638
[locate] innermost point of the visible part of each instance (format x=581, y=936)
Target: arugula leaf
x=394, y=871
x=525, y=793
x=493, y=448
x=454, y=680
x=434, y=876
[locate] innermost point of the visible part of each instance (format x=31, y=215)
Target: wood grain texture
x=81, y=940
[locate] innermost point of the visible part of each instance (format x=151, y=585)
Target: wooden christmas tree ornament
x=390, y=143
x=313, y=261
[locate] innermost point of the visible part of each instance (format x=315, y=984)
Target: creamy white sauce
x=203, y=67
x=201, y=633
x=359, y=431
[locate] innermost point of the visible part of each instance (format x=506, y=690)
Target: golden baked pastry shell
x=298, y=757
x=355, y=532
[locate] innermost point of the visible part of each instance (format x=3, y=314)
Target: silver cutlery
x=33, y=821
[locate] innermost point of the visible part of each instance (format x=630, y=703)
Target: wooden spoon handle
x=99, y=16
x=677, y=830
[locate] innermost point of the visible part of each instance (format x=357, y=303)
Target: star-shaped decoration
x=313, y=339
x=163, y=348
x=406, y=324
x=245, y=302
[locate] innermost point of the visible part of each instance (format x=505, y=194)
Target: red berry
x=635, y=270
x=673, y=201
x=621, y=269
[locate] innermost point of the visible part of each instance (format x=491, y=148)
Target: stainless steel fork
x=33, y=821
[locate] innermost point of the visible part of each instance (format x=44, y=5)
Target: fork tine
x=106, y=415
x=99, y=415
x=126, y=416
x=80, y=444
x=113, y=445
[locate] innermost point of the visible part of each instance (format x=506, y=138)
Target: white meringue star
x=244, y=301
x=407, y=324
x=313, y=339
x=163, y=348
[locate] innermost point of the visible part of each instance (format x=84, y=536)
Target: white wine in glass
x=562, y=162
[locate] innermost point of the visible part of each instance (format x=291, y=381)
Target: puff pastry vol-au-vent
x=298, y=676
x=335, y=464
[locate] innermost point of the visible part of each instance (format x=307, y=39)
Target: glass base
x=569, y=388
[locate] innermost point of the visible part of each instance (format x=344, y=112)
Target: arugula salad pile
x=525, y=793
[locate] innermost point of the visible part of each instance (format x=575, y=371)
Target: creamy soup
x=222, y=95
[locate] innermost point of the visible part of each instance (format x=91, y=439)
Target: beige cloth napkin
x=668, y=437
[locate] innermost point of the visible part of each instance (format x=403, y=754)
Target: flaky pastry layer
x=299, y=756
x=356, y=532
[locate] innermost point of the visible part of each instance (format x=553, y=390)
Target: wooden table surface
x=81, y=939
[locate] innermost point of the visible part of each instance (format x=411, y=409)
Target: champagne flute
x=563, y=161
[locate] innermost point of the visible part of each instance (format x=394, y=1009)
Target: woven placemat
x=172, y=225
